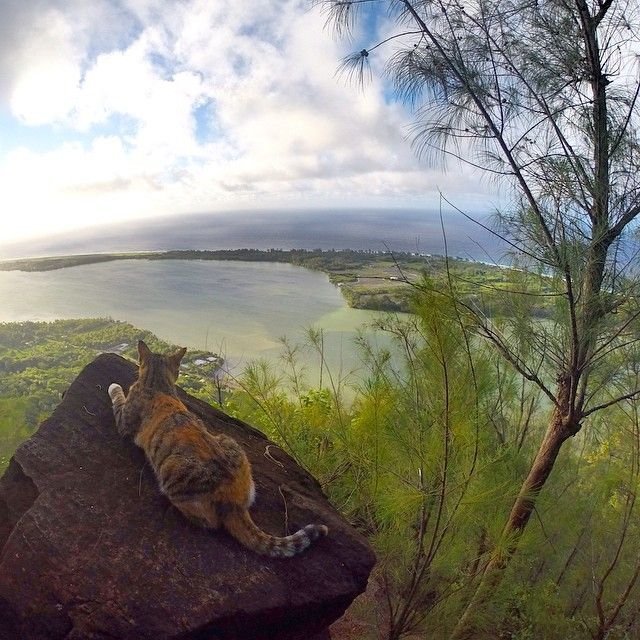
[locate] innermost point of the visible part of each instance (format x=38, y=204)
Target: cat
x=206, y=476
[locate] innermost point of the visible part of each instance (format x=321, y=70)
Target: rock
x=92, y=550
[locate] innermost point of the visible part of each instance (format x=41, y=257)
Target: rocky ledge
x=92, y=550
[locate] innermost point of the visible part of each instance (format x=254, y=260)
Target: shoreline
x=367, y=279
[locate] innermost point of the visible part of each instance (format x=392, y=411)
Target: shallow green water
x=235, y=308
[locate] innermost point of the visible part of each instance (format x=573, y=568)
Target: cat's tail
x=238, y=522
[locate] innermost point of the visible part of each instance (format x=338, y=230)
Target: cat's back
x=186, y=457
x=168, y=419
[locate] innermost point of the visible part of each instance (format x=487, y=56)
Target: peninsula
x=367, y=279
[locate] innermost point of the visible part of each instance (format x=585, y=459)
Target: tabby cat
x=206, y=476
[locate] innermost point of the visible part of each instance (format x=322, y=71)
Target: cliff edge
x=91, y=549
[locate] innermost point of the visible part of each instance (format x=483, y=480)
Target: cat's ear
x=178, y=355
x=175, y=359
x=143, y=351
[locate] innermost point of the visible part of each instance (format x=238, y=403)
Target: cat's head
x=159, y=370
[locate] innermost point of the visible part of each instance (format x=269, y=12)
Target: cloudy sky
x=121, y=109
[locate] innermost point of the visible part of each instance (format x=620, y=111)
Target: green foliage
x=426, y=459
x=307, y=421
x=17, y=417
x=413, y=460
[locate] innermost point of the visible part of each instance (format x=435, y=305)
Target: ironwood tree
x=543, y=97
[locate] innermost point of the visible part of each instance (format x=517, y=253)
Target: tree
x=542, y=96
x=409, y=457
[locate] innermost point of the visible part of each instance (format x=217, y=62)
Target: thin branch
x=604, y=405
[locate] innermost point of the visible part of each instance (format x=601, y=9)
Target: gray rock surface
x=91, y=549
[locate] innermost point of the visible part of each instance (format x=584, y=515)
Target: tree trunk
x=471, y=624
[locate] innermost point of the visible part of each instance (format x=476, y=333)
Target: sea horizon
x=400, y=230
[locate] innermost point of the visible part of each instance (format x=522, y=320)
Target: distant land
x=398, y=230
x=373, y=280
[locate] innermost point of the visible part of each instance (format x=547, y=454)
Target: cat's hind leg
x=201, y=511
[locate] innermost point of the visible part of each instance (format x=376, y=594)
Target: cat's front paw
x=114, y=390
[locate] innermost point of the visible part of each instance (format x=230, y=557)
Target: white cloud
x=44, y=91
x=124, y=82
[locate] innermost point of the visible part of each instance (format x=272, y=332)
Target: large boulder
x=92, y=549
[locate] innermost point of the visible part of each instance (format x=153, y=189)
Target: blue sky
x=128, y=109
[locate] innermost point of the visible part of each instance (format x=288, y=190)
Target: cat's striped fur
x=206, y=476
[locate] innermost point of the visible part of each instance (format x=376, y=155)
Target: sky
x=114, y=110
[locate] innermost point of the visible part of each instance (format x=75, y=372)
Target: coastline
x=371, y=280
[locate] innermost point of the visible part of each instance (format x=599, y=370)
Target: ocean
x=412, y=230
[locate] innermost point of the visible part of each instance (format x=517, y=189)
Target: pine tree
x=543, y=96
